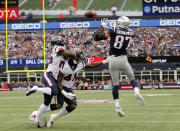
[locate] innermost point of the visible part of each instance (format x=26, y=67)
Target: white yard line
x=20, y=97
x=100, y=108
x=101, y=105
x=55, y=5
x=28, y=121
x=89, y=4
x=156, y=114
x=123, y=5
x=22, y=3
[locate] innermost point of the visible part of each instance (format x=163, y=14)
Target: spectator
x=86, y=85
x=81, y=85
x=5, y=84
x=149, y=41
x=2, y=84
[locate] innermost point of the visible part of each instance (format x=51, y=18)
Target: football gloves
x=68, y=95
x=104, y=22
x=106, y=61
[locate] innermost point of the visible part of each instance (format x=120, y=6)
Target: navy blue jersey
x=119, y=41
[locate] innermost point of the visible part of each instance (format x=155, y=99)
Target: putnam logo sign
x=161, y=7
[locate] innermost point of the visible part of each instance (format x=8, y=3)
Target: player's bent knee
x=54, y=91
x=58, y=106
x=71, y=107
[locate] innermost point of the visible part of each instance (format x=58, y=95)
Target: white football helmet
x=123, y=22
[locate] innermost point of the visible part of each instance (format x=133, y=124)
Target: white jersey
x=69, y=74
x=55, y=61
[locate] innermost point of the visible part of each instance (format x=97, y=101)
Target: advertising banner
x=95, y=59
x=161, y=7
x=13, y=13
x=150, y=60
x=155, y=59
x=39, y=61
x=83, y=25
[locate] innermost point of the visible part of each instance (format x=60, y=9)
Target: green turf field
x=130, y=5
x=162, y=112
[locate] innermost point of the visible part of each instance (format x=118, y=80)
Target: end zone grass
x=162, y=112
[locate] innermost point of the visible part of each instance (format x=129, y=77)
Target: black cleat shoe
x=30, y=92
x=38, y=125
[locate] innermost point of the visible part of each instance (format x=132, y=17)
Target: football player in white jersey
x=120, y=36
x=49, y=77
x=68, y=71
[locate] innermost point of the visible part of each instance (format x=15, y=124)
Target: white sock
x=61, y=113
x=48, y=109
x=46, y=90
x=41, y=110
x=116, y=102
x=136, y=90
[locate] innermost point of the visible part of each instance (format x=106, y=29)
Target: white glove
x=104, y=22
x=68, y=95
x=106, y=60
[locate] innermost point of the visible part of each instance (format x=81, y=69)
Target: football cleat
x=140, y=99
x=32, y=90
x=36, y=122
x=119, y=111
x=51, y=121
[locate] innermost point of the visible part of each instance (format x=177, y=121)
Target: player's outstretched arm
x=66, y=53
x=59, y=80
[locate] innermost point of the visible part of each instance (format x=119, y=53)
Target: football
x=33, y=115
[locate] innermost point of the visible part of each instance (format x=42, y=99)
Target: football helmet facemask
x=79, y=56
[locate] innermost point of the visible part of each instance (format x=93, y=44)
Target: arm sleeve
x=111, y=32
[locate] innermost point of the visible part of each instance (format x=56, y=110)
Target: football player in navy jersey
x=68, y=71
x=49, y=77
x=120, y=36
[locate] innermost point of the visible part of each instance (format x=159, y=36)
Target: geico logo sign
x=154, y=1
x=26, y=26
x=159, y=60
x=169, y=22
x=75, y=25
x=166, y=9
x=132, y=23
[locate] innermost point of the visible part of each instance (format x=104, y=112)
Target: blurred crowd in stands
x=149, y=41
x=83, y=84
